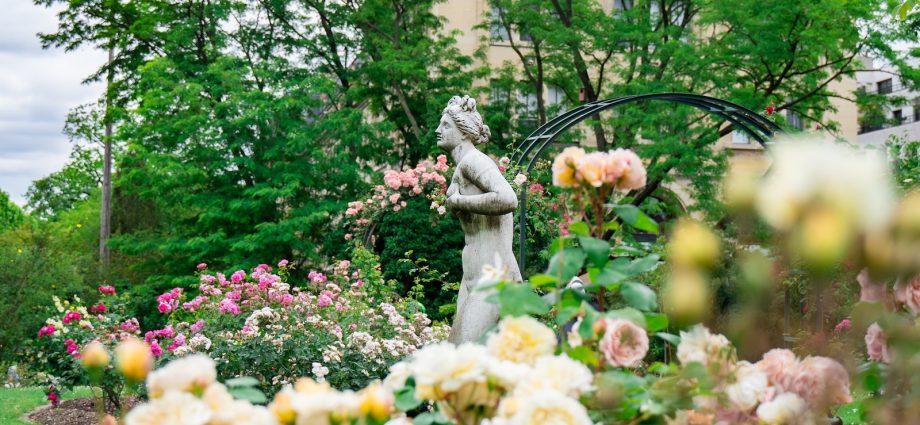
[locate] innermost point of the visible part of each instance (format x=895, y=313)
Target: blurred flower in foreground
x=740, y=185
x=693, y=244
x=95, y=356
x=133, y=359
x=824, y=194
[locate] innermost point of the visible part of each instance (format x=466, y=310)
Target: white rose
x=749, y=387
x=173, y=407
x=701, y=346
x=548, y=407
x=785, y=409
x=190, y=373
x=558, y=373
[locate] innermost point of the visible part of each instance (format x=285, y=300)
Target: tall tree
x=752, y=52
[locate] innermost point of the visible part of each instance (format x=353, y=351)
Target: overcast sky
x=37, y=88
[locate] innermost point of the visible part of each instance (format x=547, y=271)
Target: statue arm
x=497, y=197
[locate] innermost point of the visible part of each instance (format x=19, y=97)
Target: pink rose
x=869, y=291
x=822, y=382
x=909, y=293
x=626, y=163
x=202, y=266
x=877, y=344
x=624, y=344
x=778, y=364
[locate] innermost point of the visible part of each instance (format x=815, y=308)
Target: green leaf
x=904, y=10
x=541, y=280
x=584, y=355
x=250, y=394
x=405, y=399
x=639, y=296
x=627, y=313
x=598, y=250
x=671, y=338
x=636, y=218
x=655, y=322
x=579, y=228
x=608, y=278
x=566, y=263
x=521, y=300
x=243, y=381
x=641, y=265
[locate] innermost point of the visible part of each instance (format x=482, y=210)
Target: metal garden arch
x=533, y=147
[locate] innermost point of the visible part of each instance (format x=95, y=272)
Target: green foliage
x=438, y=245
x=10, y=213
x=42, y=259
x=752, y=52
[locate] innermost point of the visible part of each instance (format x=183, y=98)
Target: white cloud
x=37, y=88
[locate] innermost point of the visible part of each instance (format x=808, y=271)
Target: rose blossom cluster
x=251, y=311
x=514, y=378
x=620, y=169
x=779, y=389
x=187, y=391
x=428, y=178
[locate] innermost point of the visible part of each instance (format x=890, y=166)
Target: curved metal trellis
x=533, y=147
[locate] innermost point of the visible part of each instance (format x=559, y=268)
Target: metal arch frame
x=533, y=147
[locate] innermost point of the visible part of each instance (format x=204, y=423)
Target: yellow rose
x=823, y=238
x=282, y=407
x=376, y=402
x=522, y=340
x=133, y=359
x=693, y=245
x=564, y=166
x=95, y=356
x=686, y=296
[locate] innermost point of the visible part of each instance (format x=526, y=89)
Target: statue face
x=449, y=136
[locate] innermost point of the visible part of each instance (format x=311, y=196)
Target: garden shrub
x=69, y=328
x=345, y=328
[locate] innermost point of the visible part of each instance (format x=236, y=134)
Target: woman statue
x=481, y=198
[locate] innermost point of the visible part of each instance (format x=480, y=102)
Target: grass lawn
x=19, y=401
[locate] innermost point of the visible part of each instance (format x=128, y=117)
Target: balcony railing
x=873, y=89
x=892, y=123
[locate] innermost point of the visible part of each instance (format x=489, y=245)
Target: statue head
x=461, y=122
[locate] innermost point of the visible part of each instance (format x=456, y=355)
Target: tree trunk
x=105, y=210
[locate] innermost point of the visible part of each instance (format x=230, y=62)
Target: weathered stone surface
x=483, y=201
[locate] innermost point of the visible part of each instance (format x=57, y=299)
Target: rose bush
x=70, y=328
x=345, y=328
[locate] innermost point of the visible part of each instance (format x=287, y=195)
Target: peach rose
x=590, y=168
x=877, y=344
x=634, y=175
x=822, y=382
x=909, y=293
x=564, y=166
x=869, y=290
x=624, y=343
x=778, y=364
x=615, y=166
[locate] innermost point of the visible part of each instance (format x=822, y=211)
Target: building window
x=794, y=120
x=554, y=95
x=499, y=93
x=496, y=29
x=898, y=116
x=916, y=111
x=883, y=87
x=740, y=137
